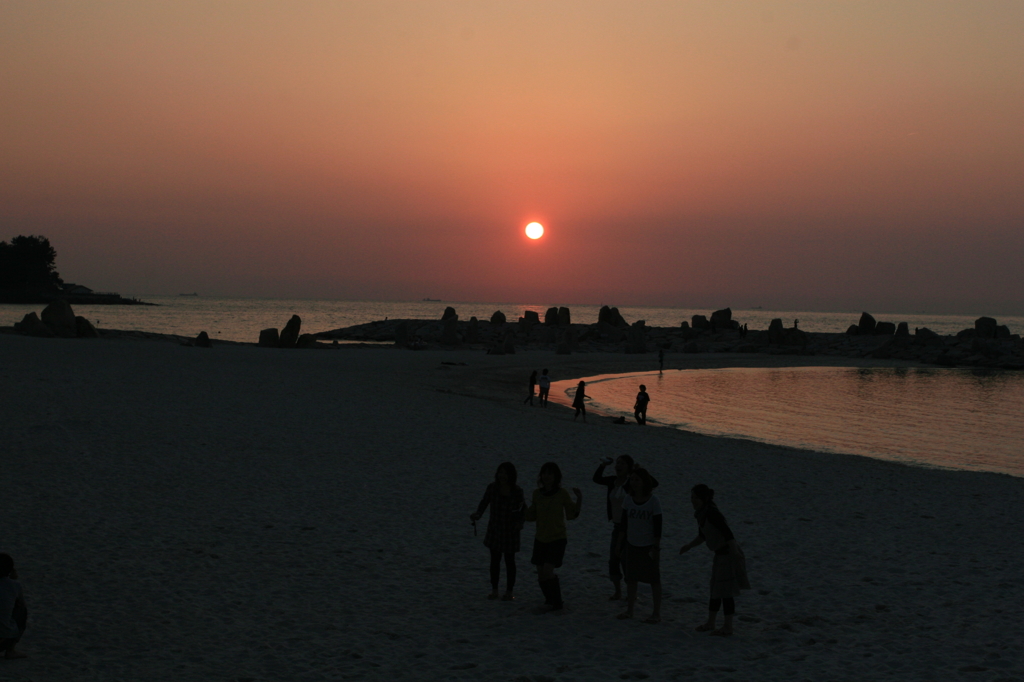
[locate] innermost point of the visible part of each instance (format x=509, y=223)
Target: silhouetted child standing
x=551, y=508
x=507, y=504
x=13, y=613
x=729, y=569
x=640, y=408
x=580, y=401
x=533, y=386
x=545, y=385
x=642, y=523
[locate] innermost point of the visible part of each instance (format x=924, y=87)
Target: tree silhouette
x=27, y=265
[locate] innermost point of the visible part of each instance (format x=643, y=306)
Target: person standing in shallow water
x=640, y=407
x=550, y=509
x=545, y=385
x=616, y=486
x=507, y=504
x=642, y=522
x=579, y=401
x=729, y=568
x=533, y=385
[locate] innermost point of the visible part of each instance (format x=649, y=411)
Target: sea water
x=951, y=418
x=241, y=319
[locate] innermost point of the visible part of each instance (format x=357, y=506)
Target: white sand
x=243, y=513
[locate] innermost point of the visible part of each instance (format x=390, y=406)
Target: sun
x=534, y=230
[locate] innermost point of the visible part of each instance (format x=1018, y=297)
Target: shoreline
x=236, y=512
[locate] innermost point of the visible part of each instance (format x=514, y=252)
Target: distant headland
x=28, y=275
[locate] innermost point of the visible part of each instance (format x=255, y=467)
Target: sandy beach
x=242, y=513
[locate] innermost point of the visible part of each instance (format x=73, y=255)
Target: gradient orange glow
x=797, y=154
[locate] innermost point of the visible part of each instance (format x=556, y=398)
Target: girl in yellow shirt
x=550, y=509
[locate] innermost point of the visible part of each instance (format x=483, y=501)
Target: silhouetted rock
x=551, y=316
x=776, y=332
x=31, y=325
x=203, y=341
x=269, y=338
x=531, y=317
x=498, y=317
x=794, y=337
x=566, y=343
x=885, y=329
x=722, y=319
x=402, y=333
x=510, y=342
x=473, y=331
x=984, y=327
x=925, y=333
x=966, y=334
x=866, y=324
x=1002, y=332
x=290, y=333
x=306, y=341
x=636, y=338
x=564, y=319
x=903, y=330
x=853, y=330
x=611, y=332
x=450, y=333
x=84, y=329
x=59, y=317
x=612, y=316
x=700, y=322
x=448, y=312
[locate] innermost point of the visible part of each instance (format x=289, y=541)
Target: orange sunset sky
x=802, y=155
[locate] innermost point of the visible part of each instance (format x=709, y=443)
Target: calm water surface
x=241, y=319
x=950, y=418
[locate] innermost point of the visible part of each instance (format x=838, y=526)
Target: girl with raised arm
x=641, y=520
x=551, y=508
x=507, y=504
x=729, y=568
x=616, y=486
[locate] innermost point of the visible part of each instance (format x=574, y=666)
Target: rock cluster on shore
x=988, y=344
x=57, y=320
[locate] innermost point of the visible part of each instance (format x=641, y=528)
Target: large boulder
x=450, y=333
x=31, y=325
x=1003, y=332
x=269, y=338
x=473, y=330
x=290, y=333
x=306, y=341
x=722, y=319
x=700, y=322
x=903, y=330
x=448, y=312
x=776, y=332
x=498, y=317
x=636, y=338
x=853, y=330
x=84, y=329
x=866, y=324
x=551, y=317
x=564, y=319
x=885, y=329
x=611, y=316
x=60, y=318
x=203, y=341
x=984, y=327
x=531, y=317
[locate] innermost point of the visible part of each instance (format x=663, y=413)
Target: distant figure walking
x=13, y=614
x=551, y=508
x=729, y=568
x=545, y=386
x=503, y=525
x=661, y=360
x=640, y=407
x=579, y=401
x=533, y=386
x=616, y=486
x=641, y=519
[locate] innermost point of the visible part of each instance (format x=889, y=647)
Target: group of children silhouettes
x=635, y=552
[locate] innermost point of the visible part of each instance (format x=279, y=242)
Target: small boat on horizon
x=433, y=300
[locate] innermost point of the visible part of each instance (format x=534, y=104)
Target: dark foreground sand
x=243, y=513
